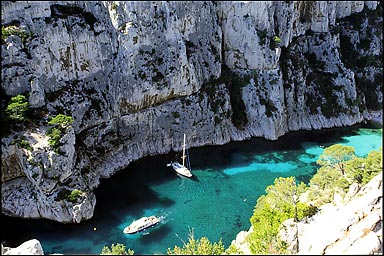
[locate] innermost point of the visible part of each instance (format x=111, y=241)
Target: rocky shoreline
x=348, y=225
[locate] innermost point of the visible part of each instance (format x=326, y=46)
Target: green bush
x=364, y=169
x=17, y=108
x=54, y=138
x=336, y=155
x=61, y=120
x=25, y=144
x=198, y=247
x=305, y=210
x=60, y=123
x=74, y=195
x=278, y=205
x=118, y=249
x=277, y=39
x=14, y=30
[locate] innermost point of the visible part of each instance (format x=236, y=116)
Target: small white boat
x=141, y=224
x=181, y=168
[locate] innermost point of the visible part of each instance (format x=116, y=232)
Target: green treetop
x=335, y=156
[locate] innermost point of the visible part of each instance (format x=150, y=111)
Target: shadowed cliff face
x=136, y=75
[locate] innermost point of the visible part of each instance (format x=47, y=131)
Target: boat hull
x=182, y=170
x=139, y=230
x=141, y=225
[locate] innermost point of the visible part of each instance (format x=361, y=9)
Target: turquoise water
x=216, y=203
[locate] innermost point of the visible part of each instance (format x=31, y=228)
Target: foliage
x=327, y=180
x=364, y=169
x=335, y=155
x=61, y=120
x=17, y=108
x=279, y=204
x=113, y=6
x=54, y=138
x=232, y=249
x=305, y=210
x=74, y=195
x=14, y=30
x=277, y=39
x=118, y=249
x=200, y=246
x=324, y=183
x=60, y=123
x=24, y=144
x=262, y=34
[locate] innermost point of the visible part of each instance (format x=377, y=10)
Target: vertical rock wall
x=135, y=76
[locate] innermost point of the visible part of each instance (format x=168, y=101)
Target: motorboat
x=141, y=224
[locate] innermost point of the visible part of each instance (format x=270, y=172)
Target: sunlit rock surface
x=137, y=75
x=353, y=226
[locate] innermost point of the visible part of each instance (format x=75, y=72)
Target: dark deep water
x=216, y=203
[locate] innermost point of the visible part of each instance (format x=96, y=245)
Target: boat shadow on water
x=194, y=177
x=156, y=233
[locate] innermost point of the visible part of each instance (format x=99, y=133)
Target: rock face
x=30, y=247
x=353, y=227
x=137, y=75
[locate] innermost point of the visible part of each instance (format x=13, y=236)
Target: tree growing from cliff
x=74, y=195
x=279, y=204
x=17, y=108
x=60, y=123
x=61, y=120
x=118, y=249
x=335, y=156
x=200, y=246
x=364, y=169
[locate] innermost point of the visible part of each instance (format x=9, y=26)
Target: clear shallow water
x=217, y=203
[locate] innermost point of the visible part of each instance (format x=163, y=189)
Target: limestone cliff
x=349, y=225
x=136, y=75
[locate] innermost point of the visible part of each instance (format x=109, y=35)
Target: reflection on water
x=217, y=202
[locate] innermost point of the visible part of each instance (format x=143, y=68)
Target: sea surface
x=217, y=203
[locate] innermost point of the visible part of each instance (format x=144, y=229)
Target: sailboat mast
x=183, y=150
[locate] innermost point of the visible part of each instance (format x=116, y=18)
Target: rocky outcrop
x=349, y=226
x=30, y=247
x=136, y=75
x=36, y=184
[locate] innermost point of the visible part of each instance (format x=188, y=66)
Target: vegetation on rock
x=61, y=123
x=74, y=195
x=335, y=156
x=17, y=108
x=281, y=202
x=200, y=246
x=14, y=30
x=118, y=249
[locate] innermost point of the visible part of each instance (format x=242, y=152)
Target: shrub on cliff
x=60, y=123
x=363, y=170
x=200, y=246
x=74, y=195
x=329, y=179
x=279, y=204
x=118, y=249
x=61, y=120
x=335, y=156
x=17, y=108
x=14, y=30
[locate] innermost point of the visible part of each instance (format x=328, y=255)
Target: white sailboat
x=181, y=168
